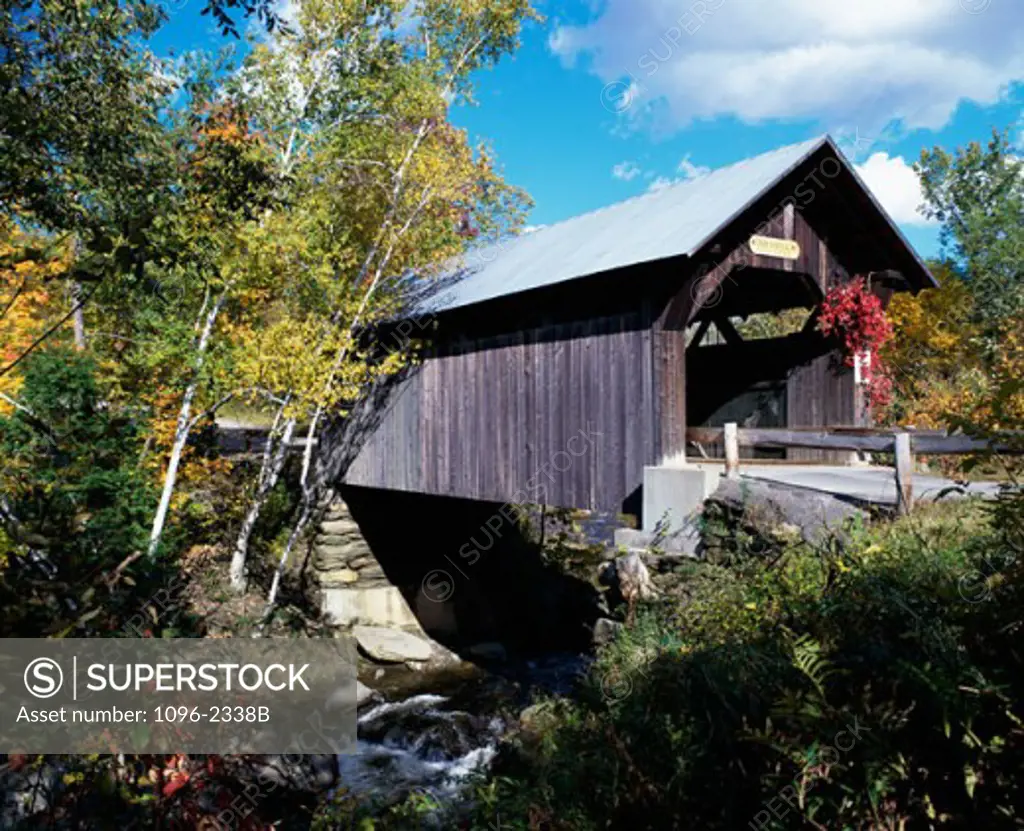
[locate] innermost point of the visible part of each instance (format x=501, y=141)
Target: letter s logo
x=43, y=677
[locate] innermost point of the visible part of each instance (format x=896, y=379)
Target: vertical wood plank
x=904, y=473
x=651, y=439
x=732, y=450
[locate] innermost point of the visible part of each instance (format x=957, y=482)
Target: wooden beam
x=698, y=336
x=732, y=451
x=932, y=443
x=724, y=325
x=810, y=439
x=904, y=473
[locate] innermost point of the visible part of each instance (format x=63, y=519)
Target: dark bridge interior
x=471, y=575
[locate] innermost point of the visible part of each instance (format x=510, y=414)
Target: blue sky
x=608, y=98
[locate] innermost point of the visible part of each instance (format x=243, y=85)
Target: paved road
x=864, y=484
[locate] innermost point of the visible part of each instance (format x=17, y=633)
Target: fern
x=806, y=657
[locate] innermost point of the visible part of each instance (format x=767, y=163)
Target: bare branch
x=43, y=337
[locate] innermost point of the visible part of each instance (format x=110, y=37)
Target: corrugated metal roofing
x=676, y=220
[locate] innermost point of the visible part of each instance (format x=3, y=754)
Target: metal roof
x=677, y=220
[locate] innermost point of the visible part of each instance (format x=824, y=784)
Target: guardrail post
x=904, y=473
x=732, y=450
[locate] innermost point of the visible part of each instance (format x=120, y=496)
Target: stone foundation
x=353, y=587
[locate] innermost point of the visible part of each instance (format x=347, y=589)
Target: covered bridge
x=564, y=363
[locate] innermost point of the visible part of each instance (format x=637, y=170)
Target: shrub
x=76, y=506
x=880, y=690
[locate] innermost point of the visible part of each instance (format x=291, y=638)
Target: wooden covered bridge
x=565, y=365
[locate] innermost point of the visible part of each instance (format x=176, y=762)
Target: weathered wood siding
x=670, y=386
x=822, y=394
x=564, y=414
x=815, y=259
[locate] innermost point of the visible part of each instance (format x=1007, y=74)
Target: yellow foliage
x=934, y=322
x=1003, y=408
x=27, y=302
x=316, y=360
x=943, y=375
x=936, y=364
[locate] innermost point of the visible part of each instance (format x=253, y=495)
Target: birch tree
x=226, y=193
x=394, y=188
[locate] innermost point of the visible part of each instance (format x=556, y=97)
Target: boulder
x=340, y=539
x=327, y=556
x=337, y=510
x=342, y=698
x=364, y=693
x=309, y=773
x=632, y=578
x=373, y=572
x=779, y=515
x=362, y=561
x=605, y=631
x=391, y=646
x=537, y=719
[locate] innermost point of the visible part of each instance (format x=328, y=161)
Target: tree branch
x=43, y=337
x=14, y=299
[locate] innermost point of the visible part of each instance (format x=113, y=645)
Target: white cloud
x=890, y=178
x=660, y=183
x=864, y=63
x=688, y=172
x=626, y=171
x=691, y=170
x=896, y=186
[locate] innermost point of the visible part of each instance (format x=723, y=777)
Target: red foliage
x=879, y=388
x=853, y=315
x=178, y=779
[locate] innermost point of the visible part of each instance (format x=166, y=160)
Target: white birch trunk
x=183, y=427
x=267, y=482
x=266, y=470
x=78, y=318
x=282, y=564
x=308, y=502
x=309, y=492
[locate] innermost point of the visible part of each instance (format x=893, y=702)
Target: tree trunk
x=282, y=564
x=268, y=480
x=309, y=501
x=183, y=427
x=78, y=319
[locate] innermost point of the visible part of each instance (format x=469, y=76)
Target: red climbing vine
x=854, y=315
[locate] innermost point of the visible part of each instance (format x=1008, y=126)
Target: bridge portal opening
x=748, y=350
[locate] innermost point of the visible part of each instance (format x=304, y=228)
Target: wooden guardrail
x=902, y=444
x=241, y=441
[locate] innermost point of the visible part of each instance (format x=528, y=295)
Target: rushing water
x=433, y=732
x=419, y=743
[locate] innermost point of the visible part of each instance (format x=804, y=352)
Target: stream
x=429, y=732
